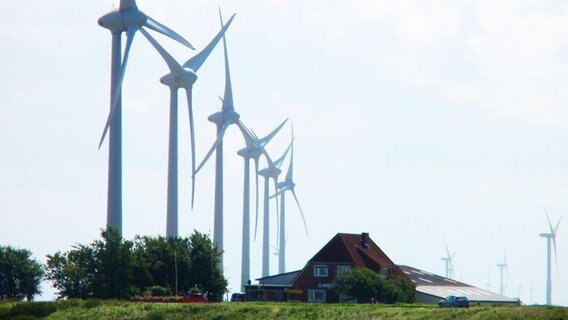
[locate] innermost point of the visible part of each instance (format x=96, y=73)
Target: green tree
x=161, y=262
x=113, y=265
x=72, y=273
x=359, y=283
x=205, y=271
x=398, y=289
x=20, y=274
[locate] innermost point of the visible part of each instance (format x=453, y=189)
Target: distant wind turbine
x=550, y=237
x=127, y=18
x=272, y=171
x=253, y=150
x=448, y=259
x=287, y=185
x=180, y=77
x=502, y=266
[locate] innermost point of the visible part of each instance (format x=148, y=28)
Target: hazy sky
x=416, y=121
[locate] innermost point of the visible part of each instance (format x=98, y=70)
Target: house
x=314, y=282
x=430, y=288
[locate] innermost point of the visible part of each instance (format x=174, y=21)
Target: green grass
x=77, y=309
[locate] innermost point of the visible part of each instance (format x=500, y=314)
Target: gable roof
x=358, y=249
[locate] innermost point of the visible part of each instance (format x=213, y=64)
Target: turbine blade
x=173, y=65
x=213, y=147
x=290, y=171
x=447, y=250
x=228, y=96
x=557, y=225
x=264, y=141
x=197, y=61
x=279, y=161
x=278, y=193
x=158, y=27
x=188, y=92
x=555, y=255
x=301, y=211
x=118, y=86
x=548, y=218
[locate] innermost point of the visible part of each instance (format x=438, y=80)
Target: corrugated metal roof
x=441, y=287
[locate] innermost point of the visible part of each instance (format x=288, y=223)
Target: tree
x=205, y=271
x=73, y=272
x=113, y=265
x=366, y=285
x=161, y=262
x=359, y=283
x=20, y=274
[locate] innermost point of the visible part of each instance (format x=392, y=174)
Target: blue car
x=454, y=302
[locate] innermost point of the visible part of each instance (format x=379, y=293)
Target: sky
x=420, y=122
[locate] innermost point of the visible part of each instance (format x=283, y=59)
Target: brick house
x=313, y=283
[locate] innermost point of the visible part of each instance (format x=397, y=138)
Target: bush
x=92, y=303
x=159, y=291
x=36, y=309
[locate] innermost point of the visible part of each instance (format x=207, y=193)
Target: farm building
x=344, y=251
x=430, y=288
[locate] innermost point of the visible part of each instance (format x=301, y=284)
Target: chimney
x=365, y=239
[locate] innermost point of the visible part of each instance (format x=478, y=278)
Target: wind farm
x=413, y=138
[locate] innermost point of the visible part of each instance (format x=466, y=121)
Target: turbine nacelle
x=119, y=20
x=270, y=172
x=180, y=80
x=251, y=153
x=545, y=235
x=224, y=117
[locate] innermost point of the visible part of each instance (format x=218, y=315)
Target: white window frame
x=314, y=294
x=341, y=268
x=318, y=271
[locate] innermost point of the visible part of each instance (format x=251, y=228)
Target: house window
x=316, y=296
x=341, y=269
x=320, y=271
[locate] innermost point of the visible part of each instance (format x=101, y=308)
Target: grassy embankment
x=97, y=309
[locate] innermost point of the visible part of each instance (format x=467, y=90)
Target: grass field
x=97, y=309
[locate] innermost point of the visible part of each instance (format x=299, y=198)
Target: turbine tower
x=287, y=185
x=448, y=259
x=180, y=77
x=128, y=18
x=272, y=171
x=502, y=266
x=550, y=237
x=253, y=150
x=223, y=119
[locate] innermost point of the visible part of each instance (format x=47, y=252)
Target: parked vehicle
x=238, y=296
x=454, y=302
x=195, y=297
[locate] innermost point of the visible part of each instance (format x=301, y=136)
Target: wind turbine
x=272, y=171
x=223, y=119
x=287, y=185
x=550, y=237
x=449, y=262
x=127, y=18
x=180, y=77
x=253, y=150
x=502, y=266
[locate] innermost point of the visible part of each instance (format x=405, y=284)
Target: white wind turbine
x=180, y=77
x=448, y=259
x=272, y=171
x=223, y=119
x=550, y=237
x=502, y=266
x=127, y=18
x=287, y=185
x=253, y=150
